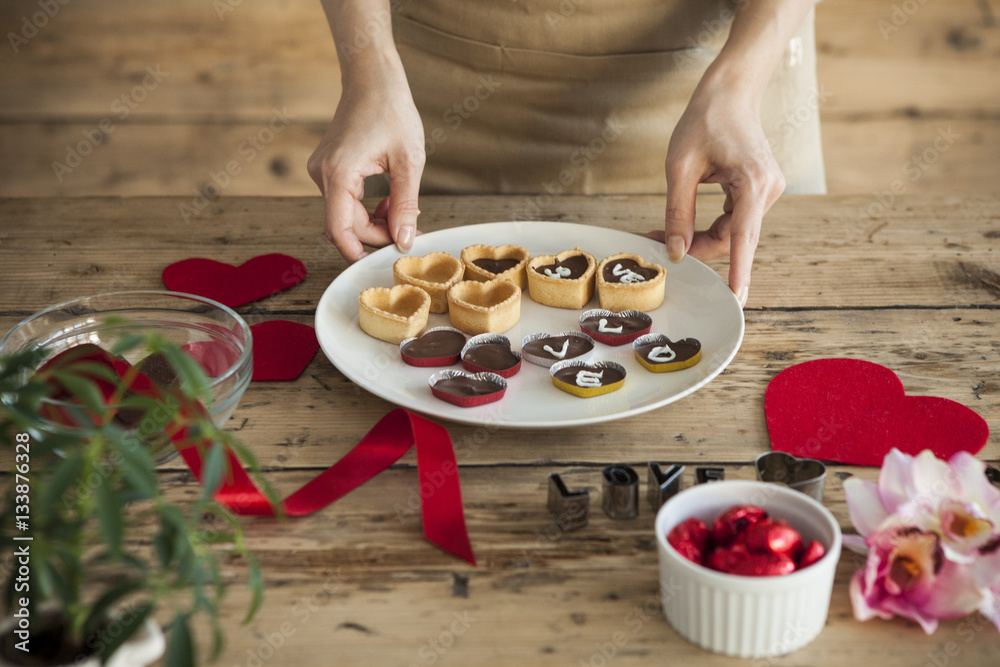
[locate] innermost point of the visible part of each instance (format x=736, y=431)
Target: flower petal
x=895, y=481
x=864, y=504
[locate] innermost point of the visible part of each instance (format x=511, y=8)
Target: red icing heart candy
x=235, y=286
x=854, y=411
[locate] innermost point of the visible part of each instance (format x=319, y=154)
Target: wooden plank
x=180, y=159
x=229, y=67
x=238, y=65
x=78, y=160
x=948, y=353
x=922, y=251
x=360, y=574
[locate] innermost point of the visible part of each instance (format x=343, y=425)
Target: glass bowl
x=188, y=321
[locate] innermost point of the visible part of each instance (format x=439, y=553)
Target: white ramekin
x=748, y=617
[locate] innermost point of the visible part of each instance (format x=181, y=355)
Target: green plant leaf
x=255, y=580
x=180, y=648
x=99, y=609
x=218, y=639
x=194, y=382
x=109, y=517
x=126, y=342
x=66, y=474
x=213, y=470
x=128, y=625
x=83, y=388
x=137, y=464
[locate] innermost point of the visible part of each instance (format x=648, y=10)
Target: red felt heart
x=235, y=286
x=854, y=411
x=282, y=349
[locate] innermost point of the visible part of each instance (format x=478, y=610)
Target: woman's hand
x=375, y=130
x=719, y=140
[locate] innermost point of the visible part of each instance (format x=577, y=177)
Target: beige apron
x=581, y=96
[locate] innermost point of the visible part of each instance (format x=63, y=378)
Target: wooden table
x=915, y=287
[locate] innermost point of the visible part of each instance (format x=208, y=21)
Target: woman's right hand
x=375, y=130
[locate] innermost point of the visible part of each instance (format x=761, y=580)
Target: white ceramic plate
x=698, y=305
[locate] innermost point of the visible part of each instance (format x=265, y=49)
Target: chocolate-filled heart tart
x=627, y=282
x=393, y=314
x=467, y=390
x=565, y=280
x=488, y=262
x=585, y=380
x=434, y=273
x=612, y=328
x=440, y=346
x=491, y=353
x=659, y=354
x=544, y=349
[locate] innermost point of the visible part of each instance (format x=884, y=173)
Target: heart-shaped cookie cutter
x=805, y=475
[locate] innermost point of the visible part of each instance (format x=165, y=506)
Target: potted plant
x=91, y=545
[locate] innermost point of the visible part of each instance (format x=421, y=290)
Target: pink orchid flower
x=931, y=530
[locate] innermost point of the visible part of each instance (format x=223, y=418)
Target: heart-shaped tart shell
x=561, y=292
x=393, y=314
x=679, y=362
x=434, y=273
x=490, y=307
x=646, y=295
x=515, y=274
x=587, y=392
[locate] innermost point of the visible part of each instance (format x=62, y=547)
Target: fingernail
x=675, y=248
x=742, y=296
x=404, y=238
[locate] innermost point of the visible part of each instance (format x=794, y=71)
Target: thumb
x=682, y=191
x=404, y=187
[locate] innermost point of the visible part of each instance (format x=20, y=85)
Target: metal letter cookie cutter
x=621, y=492
x=704, y=474
x=570, y=509
x=662, y=484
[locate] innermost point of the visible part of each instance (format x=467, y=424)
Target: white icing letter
x=561, y=353
x=627, y=275
x=588, y=379
x=661, y=355
x=560, y=272
x=603, y=327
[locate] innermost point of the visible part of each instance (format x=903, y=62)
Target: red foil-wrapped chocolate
x=744, y=541
x=734, y=521
x=813, y=552
x=690, y=538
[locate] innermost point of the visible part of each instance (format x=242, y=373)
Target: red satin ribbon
x=383, y=445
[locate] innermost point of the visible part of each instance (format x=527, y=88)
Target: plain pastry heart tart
x=565, y=280
x=627, y=282
x=490, y=307
x=488, y=262
x=434, y=273
x=393, y=314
